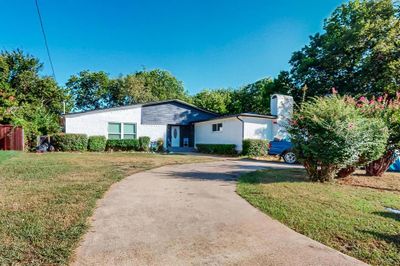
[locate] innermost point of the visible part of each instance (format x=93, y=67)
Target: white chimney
x=282, y=108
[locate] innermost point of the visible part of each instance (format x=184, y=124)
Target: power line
x=45, y=38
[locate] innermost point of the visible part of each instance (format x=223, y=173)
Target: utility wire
x=45, y=39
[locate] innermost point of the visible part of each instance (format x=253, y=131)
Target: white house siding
x=230, y=134
x=257, y=128
x=96, y=123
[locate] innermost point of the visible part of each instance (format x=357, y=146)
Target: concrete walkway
x=191, y=215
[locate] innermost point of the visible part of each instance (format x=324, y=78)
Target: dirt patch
x=388, y=182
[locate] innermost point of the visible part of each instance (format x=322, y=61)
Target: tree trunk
x=380, y=166
x=345, y=172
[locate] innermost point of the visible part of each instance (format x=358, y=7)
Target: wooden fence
x=11, y=138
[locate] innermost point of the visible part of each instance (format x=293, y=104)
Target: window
x=114, y=130
x=121, y=131
x=129, y=131
x=217, y=127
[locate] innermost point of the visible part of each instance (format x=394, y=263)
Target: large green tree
x=96, y=90
x=358, y=52
x=217, y=100
x=27, y=98
x=89, y=90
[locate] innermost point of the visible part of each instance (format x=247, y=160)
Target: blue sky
x=206, y=44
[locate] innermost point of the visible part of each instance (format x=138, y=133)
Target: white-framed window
x=217, y=127
x=121, y=130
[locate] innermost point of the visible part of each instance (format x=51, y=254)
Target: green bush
x=122, y=145
x=224, y=149
x=255, y=147
x=160, y=145
x=97, y=143
x=329, y=133
x=144, y=143
x=69, y=142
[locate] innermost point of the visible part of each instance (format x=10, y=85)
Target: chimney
x=282, y=108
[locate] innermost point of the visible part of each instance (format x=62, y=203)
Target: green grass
x=351, y=219
x=5, y=155
x=45, y=199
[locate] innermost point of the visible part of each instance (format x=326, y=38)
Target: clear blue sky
x=204, y=43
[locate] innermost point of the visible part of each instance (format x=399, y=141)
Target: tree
x=162, y=85
x=217, y=101
x=358, y=52
x=329, y=133
x=389, y=111
x=89, y=90
x=27, y=98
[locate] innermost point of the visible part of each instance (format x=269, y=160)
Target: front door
x=175, y=136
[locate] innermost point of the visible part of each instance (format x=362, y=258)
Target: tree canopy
x=26, y=98
x=95, y=90
x=358, y=52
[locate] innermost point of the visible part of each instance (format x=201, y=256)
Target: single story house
x=181, y=125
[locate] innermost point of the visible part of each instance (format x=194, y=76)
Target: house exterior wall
x=96, y=123
x=231, y=132
x=258, y=128
x=173, y=113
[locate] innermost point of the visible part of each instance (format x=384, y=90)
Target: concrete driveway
x=191, y=215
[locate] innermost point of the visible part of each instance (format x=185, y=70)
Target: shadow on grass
x=388, y=214
x=391, y=239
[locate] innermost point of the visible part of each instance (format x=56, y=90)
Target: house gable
x=173, y=113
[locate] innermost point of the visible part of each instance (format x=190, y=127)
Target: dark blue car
x=282, y=148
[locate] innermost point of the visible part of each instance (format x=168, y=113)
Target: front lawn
x=349, y=215
x=45, y=199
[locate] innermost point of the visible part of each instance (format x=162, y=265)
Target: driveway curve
x=190, y=215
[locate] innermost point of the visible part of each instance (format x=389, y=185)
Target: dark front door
x=180, y=136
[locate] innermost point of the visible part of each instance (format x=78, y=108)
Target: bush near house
x=144, y=143
x=69, y=142
x=223, y=149
x=97, y=143
x=255, y=147
x=122, y=145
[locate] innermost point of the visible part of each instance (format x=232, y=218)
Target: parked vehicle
x=282, y=148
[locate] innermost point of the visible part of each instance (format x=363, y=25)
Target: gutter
x=242, y=126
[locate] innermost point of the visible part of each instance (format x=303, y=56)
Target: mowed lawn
x=45, y=199
x=349, y=215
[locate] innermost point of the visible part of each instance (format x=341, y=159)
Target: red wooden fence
x=11, y=138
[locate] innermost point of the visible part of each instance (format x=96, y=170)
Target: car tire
x=289, y=157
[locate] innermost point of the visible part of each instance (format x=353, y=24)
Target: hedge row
x=223, y=149
x=255, y=147
x=80, y=142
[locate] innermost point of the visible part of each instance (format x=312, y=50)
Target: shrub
x=144, y=143
x=224, y=149
x=97, y=143
x=387, y=110
x=255, y=147
x=122, y=145
x=160, y=145
x=329, y=133
x=69, y=142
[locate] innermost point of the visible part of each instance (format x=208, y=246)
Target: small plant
x=144, y=143
x=97, y=143
x=69, y=142
x=223, y=149
x=160, y=145
x=255, y=147
x=122, y=145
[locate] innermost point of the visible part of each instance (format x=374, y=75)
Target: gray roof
x=139, y=105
